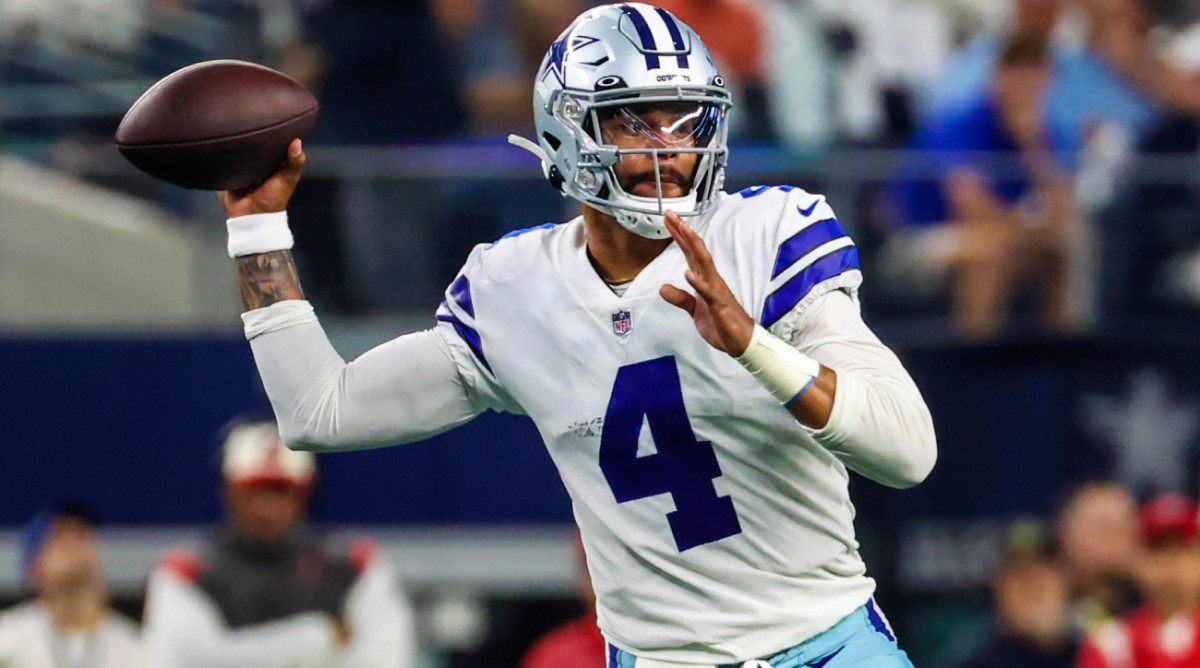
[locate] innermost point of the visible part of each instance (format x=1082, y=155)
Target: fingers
x=690, y=243
x=677, y=297
x=296, y=155
x=702, y=286
x=295, y=164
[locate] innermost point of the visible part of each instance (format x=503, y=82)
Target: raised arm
x=834, y=376
x=404, y=390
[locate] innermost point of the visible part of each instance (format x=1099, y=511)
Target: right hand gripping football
x=272, y=195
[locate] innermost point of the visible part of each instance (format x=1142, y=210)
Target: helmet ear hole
x=556, y=178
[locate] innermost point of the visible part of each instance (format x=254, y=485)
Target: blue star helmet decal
x=559, y=51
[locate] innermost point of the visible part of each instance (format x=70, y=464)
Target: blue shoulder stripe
x=806, y=241
x=468, y=334
x=789, y=294
x=523, y=230
x=460, y=290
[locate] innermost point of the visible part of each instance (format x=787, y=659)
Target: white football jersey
x=716, y=528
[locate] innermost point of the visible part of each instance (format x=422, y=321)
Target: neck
x=79, y=610
x=618, y=254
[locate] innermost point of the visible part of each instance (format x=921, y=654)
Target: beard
x=642, y=183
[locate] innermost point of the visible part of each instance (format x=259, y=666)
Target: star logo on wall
x=1150, y=431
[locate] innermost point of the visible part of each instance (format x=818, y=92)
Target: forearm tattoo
x=266, y=278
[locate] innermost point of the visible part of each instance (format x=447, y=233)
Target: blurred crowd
x=1105, y=583
x=260, y=589
x=1109, y=580
x=1041, y=178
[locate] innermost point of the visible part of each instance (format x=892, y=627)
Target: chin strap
x=521, y=142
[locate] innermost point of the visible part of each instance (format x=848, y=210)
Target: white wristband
x=783, y=370
x=258, y=233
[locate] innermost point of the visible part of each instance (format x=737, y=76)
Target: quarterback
x=710, y=342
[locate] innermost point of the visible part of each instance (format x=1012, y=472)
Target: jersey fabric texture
x=704, y=506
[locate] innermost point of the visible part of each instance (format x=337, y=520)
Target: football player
x=711, y=341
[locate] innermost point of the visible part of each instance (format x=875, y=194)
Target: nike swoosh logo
x=811, y=207
x=825, y=659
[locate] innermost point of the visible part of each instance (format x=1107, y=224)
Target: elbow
x=921, y=452
x=306, y=432
x=915, y=470
x=300, y=437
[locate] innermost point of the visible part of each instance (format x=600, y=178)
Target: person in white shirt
x=263, y=591
x=705, y=433
x=69, y=624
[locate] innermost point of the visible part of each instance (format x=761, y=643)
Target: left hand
x=719, y=318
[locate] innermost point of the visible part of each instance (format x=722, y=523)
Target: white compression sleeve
x=880, y=425
x=406, y=389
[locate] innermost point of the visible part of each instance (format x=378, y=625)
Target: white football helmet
x=622, y=61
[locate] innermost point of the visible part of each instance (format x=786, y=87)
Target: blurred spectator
x=387, y=77
x=1165, y=632
x=1120, y=31
x=1097, y=530
x=1151, y=243
x=578, y=643
x=496, y=47
x=69, y=623
x=774, y=61
x=1084, y=92
x=883, y=53
x=982, y=210
x=1032, y=628
x=265, y=592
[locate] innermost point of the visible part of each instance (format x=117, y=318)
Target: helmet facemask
x=635, y=65
x=670, y=135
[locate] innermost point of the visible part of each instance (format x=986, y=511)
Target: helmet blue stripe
x=676, y=36
x=643, y=31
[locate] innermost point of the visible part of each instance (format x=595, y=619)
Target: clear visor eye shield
x=688, y=121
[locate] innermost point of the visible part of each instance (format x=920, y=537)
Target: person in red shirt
x=1165, y=631
x=577, y=643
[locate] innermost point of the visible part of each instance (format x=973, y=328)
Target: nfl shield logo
x=622, y=322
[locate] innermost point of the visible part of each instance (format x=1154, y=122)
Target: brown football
x=216, y=125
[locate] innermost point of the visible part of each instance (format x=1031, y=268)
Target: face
x=1170, y=573
x=661, y=127
x=1099, y=531
x=1031, y=600
x=68, y=560
x=266, y=513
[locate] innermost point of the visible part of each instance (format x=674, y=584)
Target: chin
x=651, y=192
